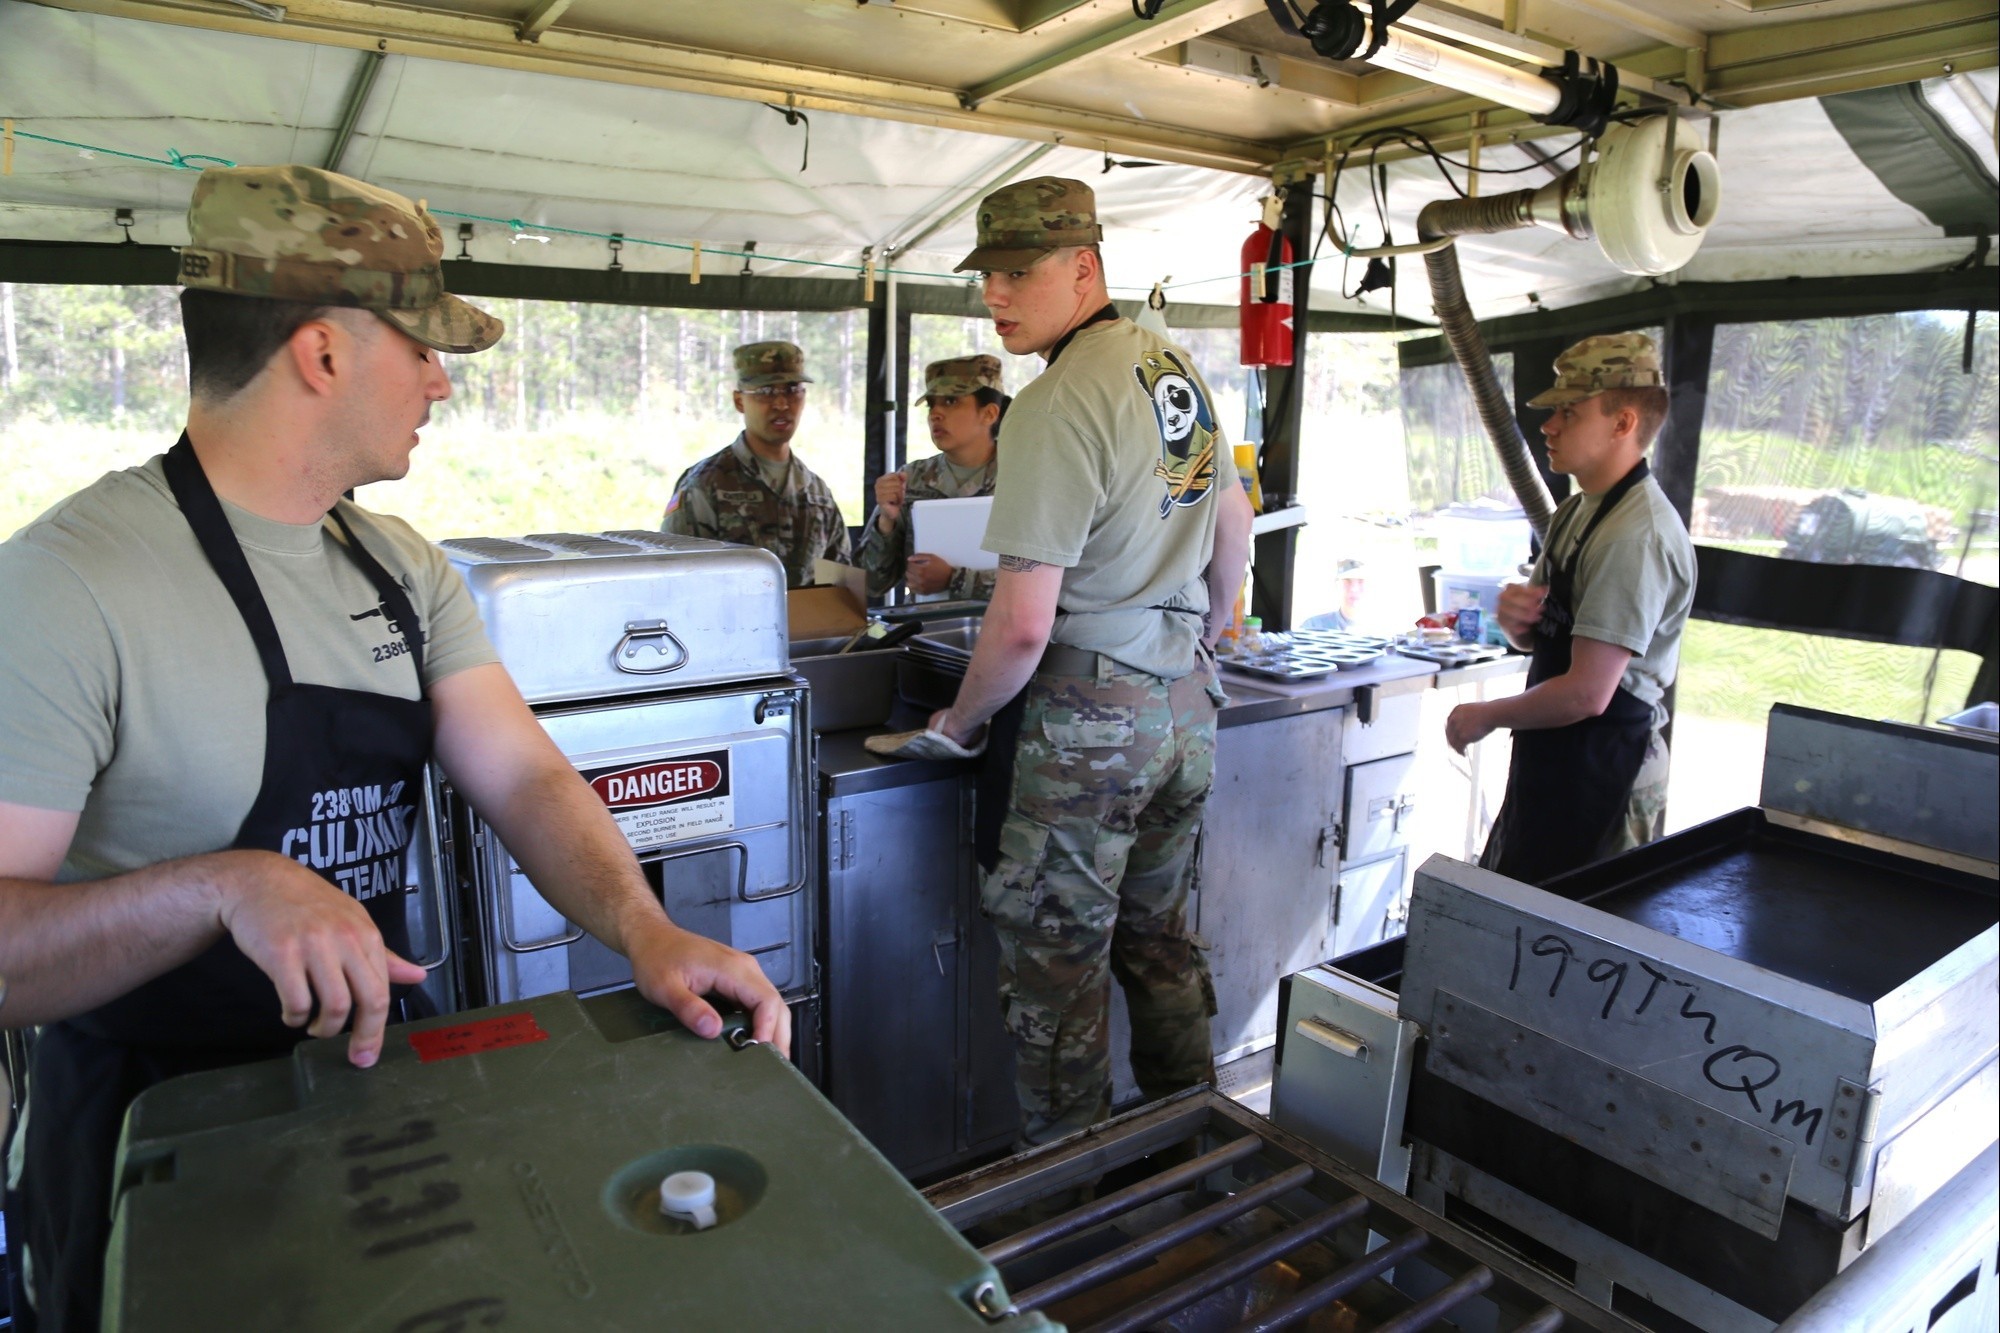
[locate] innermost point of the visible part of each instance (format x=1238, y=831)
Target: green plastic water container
x=503, y=1169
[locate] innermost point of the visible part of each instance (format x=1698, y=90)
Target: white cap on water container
x=690, y=1196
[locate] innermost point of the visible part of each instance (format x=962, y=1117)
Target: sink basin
x=854, y=690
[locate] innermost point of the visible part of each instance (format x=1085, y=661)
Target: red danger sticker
x=488, y=1034
x=663, y=783
x=665, y=801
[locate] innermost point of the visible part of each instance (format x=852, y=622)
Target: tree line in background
x=114, y=356
x=1883, y=403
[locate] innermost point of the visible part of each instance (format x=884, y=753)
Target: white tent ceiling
x=678, y=167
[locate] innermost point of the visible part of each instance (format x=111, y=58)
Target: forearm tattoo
x=1019, y=564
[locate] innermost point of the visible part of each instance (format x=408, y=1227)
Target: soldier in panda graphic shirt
x=1119, y=523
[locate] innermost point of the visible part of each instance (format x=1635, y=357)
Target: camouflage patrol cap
x=1608, y=361
x=960, y=376
x=759, y=364
x=298, y=233
x=1020, y=223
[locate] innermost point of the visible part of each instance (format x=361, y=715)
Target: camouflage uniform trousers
x=1096, y=859
x=1646, y=808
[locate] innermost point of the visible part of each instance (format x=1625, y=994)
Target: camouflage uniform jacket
x=886, y=555
x=725, y=497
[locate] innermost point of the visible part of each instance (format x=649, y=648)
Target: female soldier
x=966, y=405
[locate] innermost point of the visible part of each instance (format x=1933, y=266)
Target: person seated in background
x=755, y=491
x=966, y=404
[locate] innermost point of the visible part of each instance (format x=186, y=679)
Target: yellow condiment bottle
x=1246, y=472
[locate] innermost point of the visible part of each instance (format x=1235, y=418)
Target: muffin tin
x=1306, y=653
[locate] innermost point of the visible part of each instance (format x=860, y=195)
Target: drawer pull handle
x=1333, y=1038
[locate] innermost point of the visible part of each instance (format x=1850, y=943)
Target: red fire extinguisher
x=1265, y=308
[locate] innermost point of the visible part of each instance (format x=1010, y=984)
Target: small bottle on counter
x=1251, y=640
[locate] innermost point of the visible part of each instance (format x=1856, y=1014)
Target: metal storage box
x=659, y=667
x=584, y=615
x=501, y=1169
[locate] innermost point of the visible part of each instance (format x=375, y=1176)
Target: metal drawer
x=1372, y=902
x=1343, y=1078
x=1394, y=722
x=1381, y=800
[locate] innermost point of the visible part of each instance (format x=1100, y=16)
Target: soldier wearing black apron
x=1602, y=617
x=174, y=897
x=87, y=1069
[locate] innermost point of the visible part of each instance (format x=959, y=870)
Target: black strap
x=391, y=593
x=1610, y=502
x=1109, y=312
x=1283, y=15
x=203, y=511
x=218, y=542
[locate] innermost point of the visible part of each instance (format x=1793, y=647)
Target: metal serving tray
x=1743, y=1012
x=1306, y=654
x=591, y=615
x=1452, y=654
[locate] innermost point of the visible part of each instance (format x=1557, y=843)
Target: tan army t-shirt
x=129, y=688
x=1634, y=583
x=1109, y=464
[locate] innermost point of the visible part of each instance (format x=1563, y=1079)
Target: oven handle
x=742, y=851
x=504, y=892
x=647, y=633
x=438, y=869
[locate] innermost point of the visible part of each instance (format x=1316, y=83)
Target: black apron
x=340, y=794
x=1567, y=786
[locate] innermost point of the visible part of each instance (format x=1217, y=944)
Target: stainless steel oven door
x=711, y=790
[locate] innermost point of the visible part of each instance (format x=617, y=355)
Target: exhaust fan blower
x=1646, y=198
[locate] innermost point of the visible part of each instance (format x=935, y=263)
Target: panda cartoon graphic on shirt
x=1187, y=428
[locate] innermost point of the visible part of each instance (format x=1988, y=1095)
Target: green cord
x=180, y=161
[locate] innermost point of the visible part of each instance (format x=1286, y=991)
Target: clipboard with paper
x=952, y=530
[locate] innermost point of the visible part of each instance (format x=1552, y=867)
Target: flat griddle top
x=1846, y=919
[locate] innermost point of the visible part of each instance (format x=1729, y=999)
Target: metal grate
x=1216, y=1219
x=497, y=550
x=652, y=541
x=584, y=543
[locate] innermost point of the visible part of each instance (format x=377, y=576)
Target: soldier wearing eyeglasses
x=756, y=492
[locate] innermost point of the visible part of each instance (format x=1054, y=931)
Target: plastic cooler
x=503, y=1168
x=1456, y=591
x=1478, y=539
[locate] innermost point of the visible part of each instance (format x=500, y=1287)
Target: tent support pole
x=357, y=101
x=1274, y=556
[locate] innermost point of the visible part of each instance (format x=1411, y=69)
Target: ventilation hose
x=1464, y=217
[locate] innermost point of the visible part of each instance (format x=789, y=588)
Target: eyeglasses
x=769, y=391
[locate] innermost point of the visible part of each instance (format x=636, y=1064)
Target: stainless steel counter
x=1301, y=859
x=846, y=767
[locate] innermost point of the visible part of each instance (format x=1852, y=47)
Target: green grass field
x=591, y=474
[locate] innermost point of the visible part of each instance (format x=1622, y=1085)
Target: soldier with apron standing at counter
x=1603, y=615
x=214, y=737
x=1119, y=523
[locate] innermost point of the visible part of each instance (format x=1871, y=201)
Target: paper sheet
x=952, y=530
